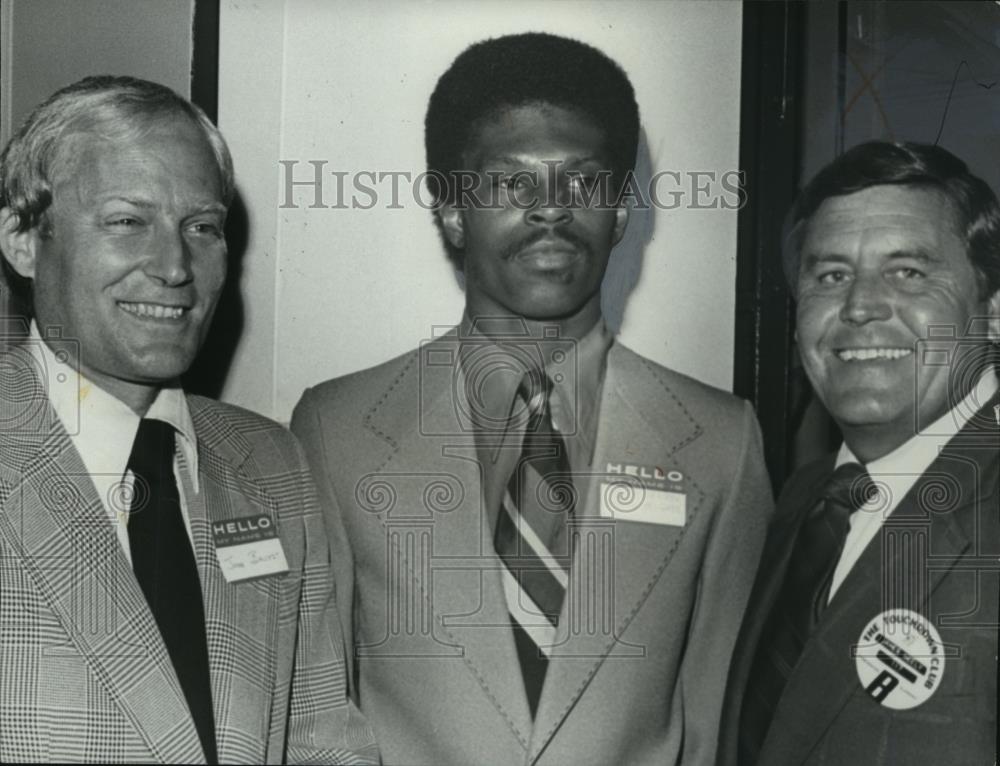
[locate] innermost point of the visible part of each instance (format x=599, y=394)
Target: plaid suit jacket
x=84, y=673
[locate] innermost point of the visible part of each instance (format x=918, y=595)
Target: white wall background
x=330, y=291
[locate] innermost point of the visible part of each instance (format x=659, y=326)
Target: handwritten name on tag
x=248, y=548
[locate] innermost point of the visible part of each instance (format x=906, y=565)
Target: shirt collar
x=101, y=426
x=492, y=365
x=909, y=460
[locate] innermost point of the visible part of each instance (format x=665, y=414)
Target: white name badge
x=899, y=659
x=632, y=501
x=248, y=548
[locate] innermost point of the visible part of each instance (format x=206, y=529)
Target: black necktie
x=803, y=598
x=531, y=535
x=165, y=567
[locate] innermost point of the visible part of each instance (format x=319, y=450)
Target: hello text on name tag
x=645, y=494
x=248, y=548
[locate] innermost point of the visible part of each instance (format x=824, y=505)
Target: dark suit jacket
x=84, y=673
x=651, y=611
x=938, y=554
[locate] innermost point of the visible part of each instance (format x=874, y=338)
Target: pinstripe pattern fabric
x=84, y=675
x=803, y=598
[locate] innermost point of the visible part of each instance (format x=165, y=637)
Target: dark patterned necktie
x=803, y=598
x=165, y=567
x=531, y=536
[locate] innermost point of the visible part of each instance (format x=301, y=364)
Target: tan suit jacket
x=651, y=611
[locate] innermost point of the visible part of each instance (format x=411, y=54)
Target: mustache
x=558, y=235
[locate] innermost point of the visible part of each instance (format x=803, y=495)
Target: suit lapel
x=778, y=552
x=425, y=462
x=796, y=501
x=616, y=563
x=928, y=530
x=54, y=520
x=237, y=615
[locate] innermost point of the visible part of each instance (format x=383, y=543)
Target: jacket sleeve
x=732, y=556
x=324, y=725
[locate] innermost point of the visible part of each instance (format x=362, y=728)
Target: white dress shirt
x=103, y=428
x=896, y=473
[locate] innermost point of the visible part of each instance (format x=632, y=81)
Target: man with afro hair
x=550, y=539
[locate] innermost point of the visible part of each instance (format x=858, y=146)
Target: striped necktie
x=531, y=535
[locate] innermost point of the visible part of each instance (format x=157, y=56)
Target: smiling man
x=135, y=626
x=544, y=541
x=871, y=635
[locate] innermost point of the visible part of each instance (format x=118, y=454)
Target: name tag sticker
x=899, y=658
x=248, y=548
x=632, y=501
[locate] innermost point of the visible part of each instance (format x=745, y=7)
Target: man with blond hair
x=165, y=588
